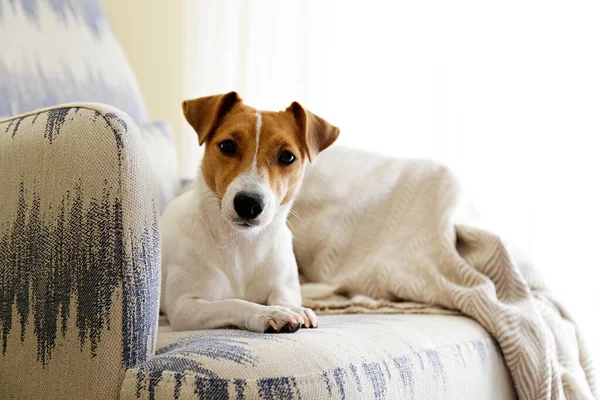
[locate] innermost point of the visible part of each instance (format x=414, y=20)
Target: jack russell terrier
x=227, y=255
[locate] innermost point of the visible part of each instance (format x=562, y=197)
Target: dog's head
x=254, y=161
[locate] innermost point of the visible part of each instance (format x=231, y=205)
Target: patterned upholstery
x=348, y=357
x=64, y=51
x=79, y=189
x=79, y=253
x=56, y=52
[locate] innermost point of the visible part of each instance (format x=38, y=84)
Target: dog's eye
x=228, y=147
x=286, y=158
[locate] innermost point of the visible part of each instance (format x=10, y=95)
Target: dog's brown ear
x=204, y=113
x=316, y=134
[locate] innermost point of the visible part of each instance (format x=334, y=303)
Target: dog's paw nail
x=272, y=327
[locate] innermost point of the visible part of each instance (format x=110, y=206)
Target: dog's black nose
x=248, y=205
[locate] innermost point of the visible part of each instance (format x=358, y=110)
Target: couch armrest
x=79, y=252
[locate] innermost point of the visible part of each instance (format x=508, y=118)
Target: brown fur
x=226, y=117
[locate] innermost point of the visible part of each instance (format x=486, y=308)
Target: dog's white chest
x=202, y=260
x=238, y=268
x=249, y=274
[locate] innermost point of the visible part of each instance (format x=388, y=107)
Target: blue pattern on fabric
x=434, y=361
x=81, y=255
x=374, y=372
x=406, y=374
x=325, y=379
x=154, y=378
x=178, y=383
x=354, y=371
x=212, y=388
x=387, y=370
x=183, y=355
x=45, y=264
x=282, y=388
x=459, y=355
x=55, y=120
x=139, y=383
x=78, y=256
x=56, y=117
x=29, y=89
x=17, y=124
x=89, y=12
x=338, y=376
x=480, y=347
x=217, y=345
x=395, y=377
x=240, y=386
x=30, y=80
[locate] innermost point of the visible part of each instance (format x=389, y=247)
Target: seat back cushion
x=163, y=157
x=55, y=52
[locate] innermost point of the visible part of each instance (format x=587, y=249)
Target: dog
x=227, y=255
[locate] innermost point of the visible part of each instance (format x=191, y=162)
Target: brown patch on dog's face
x=280, y=134
x=219, y=169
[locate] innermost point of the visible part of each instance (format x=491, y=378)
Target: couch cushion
x=158, y=138
x=348, y=357
x=56, y=52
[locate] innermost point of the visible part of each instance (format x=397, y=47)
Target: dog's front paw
x=310, y=318
x=276, y=319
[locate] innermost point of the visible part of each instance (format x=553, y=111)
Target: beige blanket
x=374, y=231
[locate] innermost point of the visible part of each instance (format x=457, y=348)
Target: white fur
x=216, y=274
x=258, y=128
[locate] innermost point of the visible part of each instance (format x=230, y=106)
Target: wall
x=152, y=35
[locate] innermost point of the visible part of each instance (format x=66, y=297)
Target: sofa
x=84, y=176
